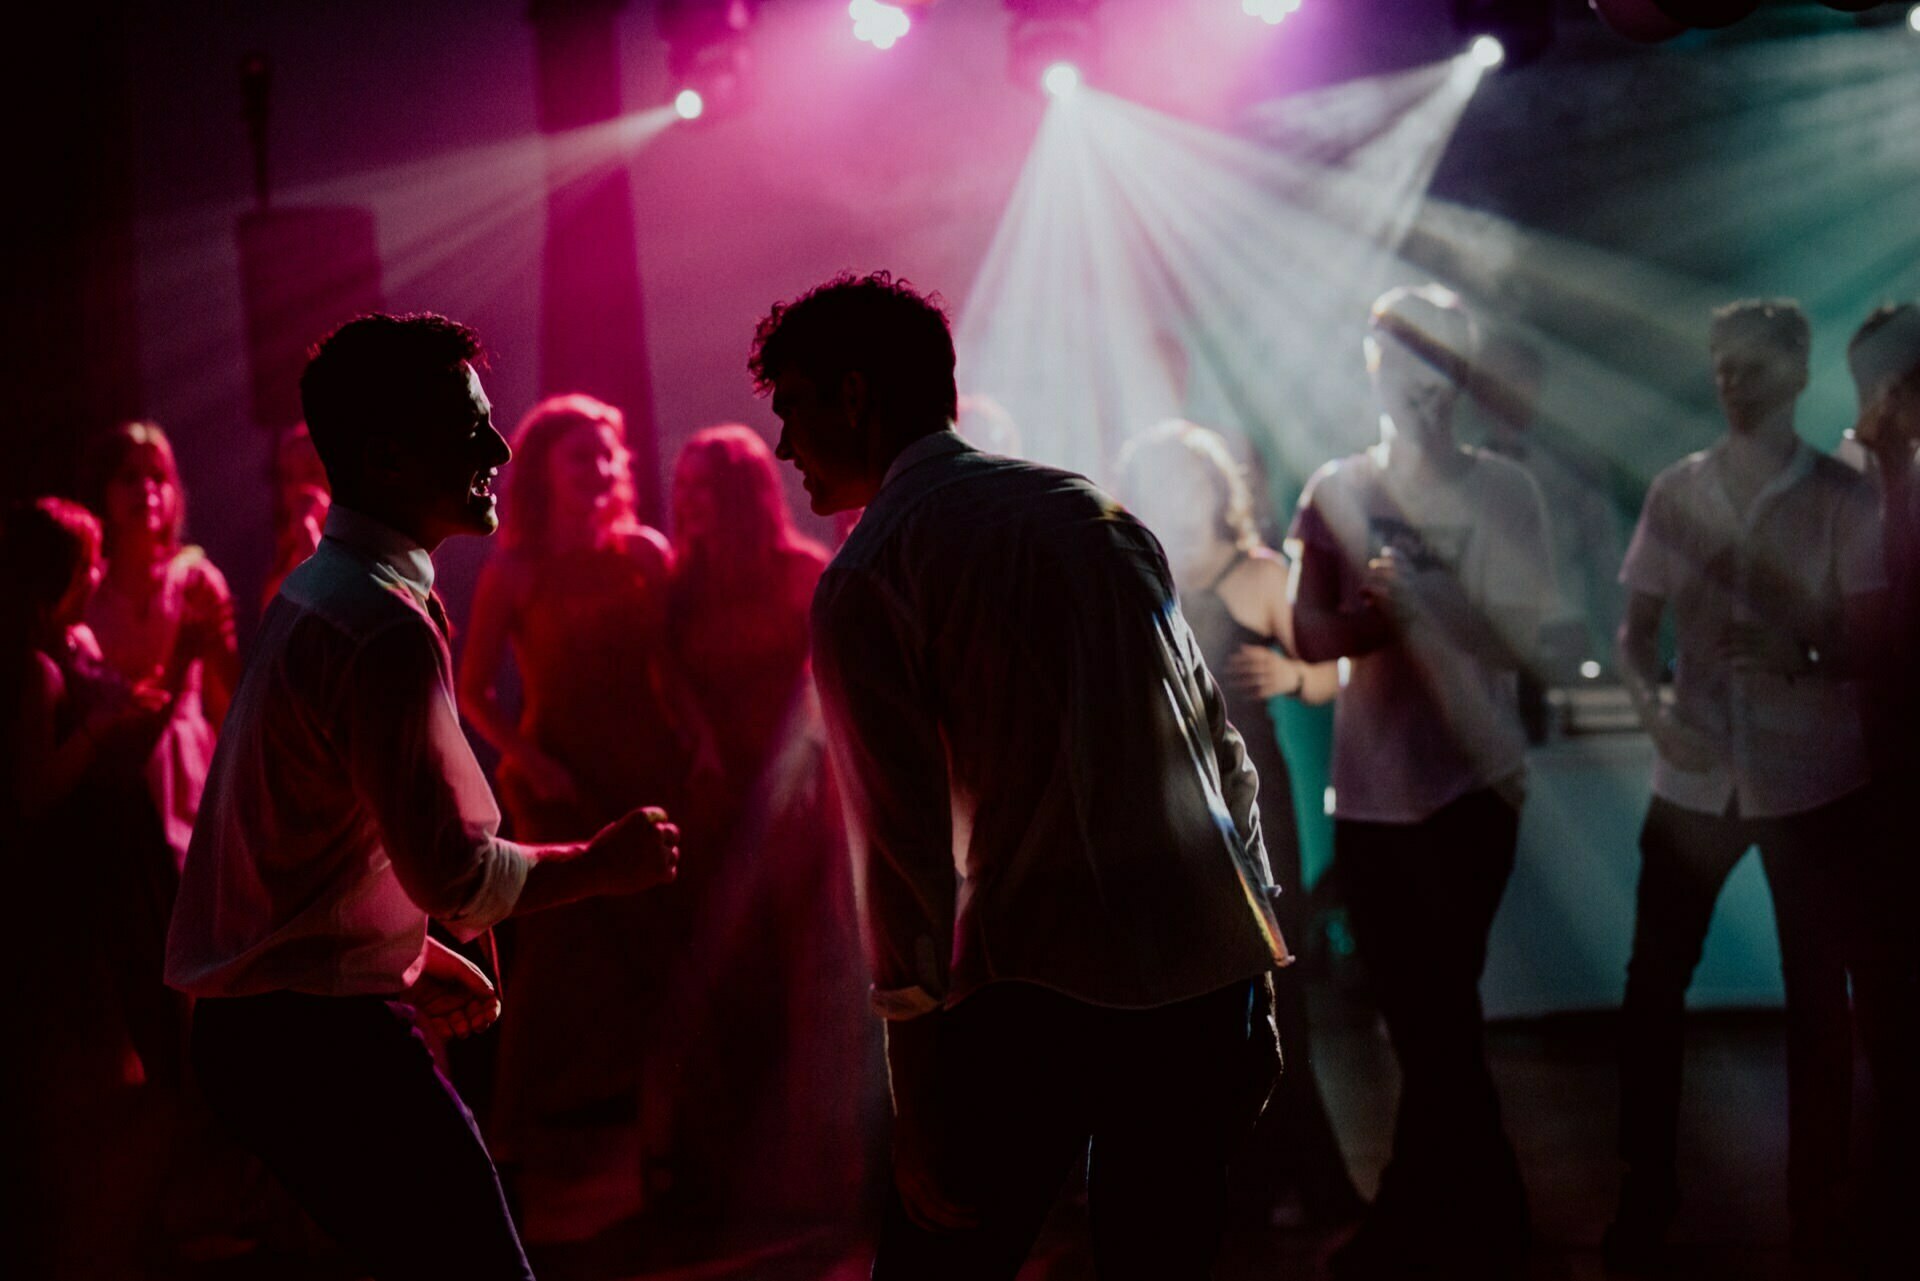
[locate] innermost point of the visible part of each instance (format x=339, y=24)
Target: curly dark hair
x=874, y=325
x=373, y=376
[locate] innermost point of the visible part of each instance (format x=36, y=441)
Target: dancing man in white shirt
x=1426, y=564
x=1057, y=850
x=345, y=808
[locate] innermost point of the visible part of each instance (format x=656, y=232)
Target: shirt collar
x=386, y=545
x=933, y=445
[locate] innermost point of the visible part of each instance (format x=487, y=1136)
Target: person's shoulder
x=1266, y=567
x=1508, y=478
x=646, y=545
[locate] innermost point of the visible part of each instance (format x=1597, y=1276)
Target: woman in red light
x=1182, y=481
x=778, y=1090
x=163, y=614
x=577, y=595
x=88, y=1015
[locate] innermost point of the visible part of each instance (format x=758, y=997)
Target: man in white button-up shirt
x=1056, y=845
x=1767, y=554
x=344, y=808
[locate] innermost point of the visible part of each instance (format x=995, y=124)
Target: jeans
x=1420, y=899
x=342, y=1101
x=1831, y=871
x=1155, y=1099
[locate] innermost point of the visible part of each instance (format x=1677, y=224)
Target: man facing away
x=1057, y=851
x=1767, y=554
x=1426, y=565
x=345, y=808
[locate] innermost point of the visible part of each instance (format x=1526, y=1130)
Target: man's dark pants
x=1835, y=908
x=1031, y=1075
x=342, y=1101
x=1420, y=901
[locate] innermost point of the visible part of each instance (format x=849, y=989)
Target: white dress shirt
x=344, y=806
x=1040, y=780
x=1788, y=743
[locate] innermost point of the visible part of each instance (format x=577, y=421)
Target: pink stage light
x=878, y=24
x=1270, y=12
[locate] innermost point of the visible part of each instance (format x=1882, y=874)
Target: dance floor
x=1557, y=1083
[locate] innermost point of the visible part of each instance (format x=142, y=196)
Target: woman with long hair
x=92, y=1022
x=576, y=597
x=163, y=614
x=778, y=1093
x=1183, y=482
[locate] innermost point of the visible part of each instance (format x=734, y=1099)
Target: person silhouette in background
x=1180, y=479
x=1767, y=554
x=1884, y=358
x=1426, y=565
x=576, y=596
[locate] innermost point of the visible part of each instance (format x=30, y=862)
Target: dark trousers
x=1031, y=1077
x=341, y=1099
x=1830, y=870
x=1420, y=901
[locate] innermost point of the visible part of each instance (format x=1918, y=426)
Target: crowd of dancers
x=707, y=1045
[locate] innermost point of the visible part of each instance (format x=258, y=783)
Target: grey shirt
x=1040, y=780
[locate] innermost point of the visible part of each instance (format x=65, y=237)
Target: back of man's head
x=375, y=377
x=1773, y=324
x=1431, y=322
x=1885, y=350
x=896, y=338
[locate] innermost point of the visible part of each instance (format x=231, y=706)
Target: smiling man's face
x=449, y=462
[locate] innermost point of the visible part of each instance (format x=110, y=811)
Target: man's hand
x=637, y=852
x=1263, y=672
x=451, y=996
x=1388, y=587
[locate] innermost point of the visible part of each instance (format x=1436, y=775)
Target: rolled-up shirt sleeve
x=412, y=767
x=884, y=736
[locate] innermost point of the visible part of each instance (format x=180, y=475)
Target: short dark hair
x=874, y=325
x=373, y=375
x=1777, y=323
x=1885, y=350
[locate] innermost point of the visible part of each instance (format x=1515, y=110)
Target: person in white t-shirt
x=1767, y=555
x=1425, y=564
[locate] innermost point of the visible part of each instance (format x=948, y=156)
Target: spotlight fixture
x=1487, y=51
x=877, y=24
x=1913, y=20
x=708, y=54
x=1060, y=79
x=1047, y=33
x=1271, y=12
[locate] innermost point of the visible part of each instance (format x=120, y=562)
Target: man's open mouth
x=482, y=486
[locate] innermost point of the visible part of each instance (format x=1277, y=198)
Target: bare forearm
x=560, y=874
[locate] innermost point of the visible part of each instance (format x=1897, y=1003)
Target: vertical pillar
x=592, y=326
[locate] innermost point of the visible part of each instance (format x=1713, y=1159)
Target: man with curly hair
x=1057, y=852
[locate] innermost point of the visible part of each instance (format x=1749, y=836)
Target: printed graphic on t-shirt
x=1436, y=547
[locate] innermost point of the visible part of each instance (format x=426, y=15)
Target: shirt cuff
x=502, y=877
x=894, y=1004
